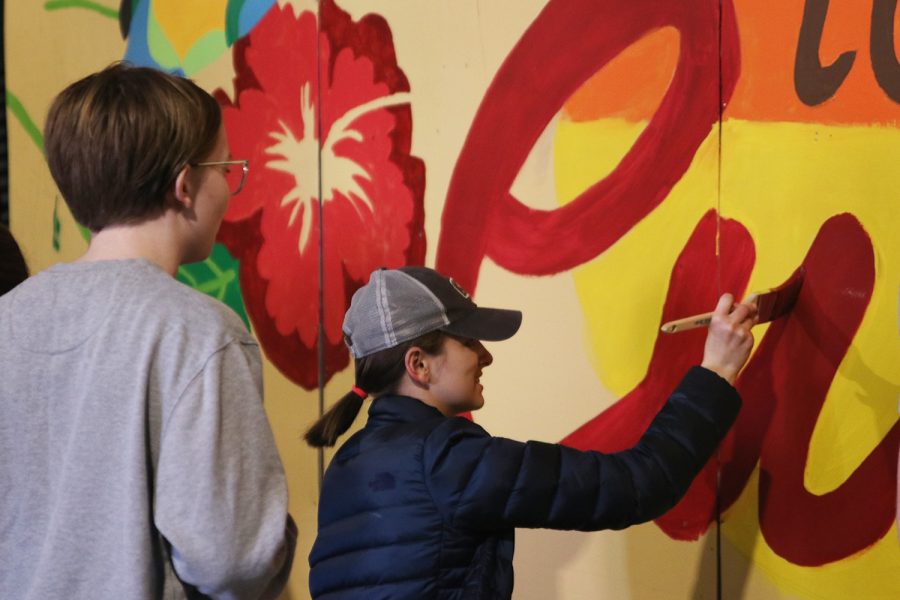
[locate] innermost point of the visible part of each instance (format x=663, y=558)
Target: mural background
x=570, y=159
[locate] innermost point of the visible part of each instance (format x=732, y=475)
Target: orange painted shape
x=632, y=84
x=769, y=31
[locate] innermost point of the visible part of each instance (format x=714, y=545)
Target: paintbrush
x=770, y=305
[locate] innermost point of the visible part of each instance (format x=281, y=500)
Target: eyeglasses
x=234, y=177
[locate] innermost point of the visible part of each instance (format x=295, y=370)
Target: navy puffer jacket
x=417, y=505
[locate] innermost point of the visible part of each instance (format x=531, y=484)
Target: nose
x=485, y=358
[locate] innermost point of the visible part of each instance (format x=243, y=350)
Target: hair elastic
x=359, y=392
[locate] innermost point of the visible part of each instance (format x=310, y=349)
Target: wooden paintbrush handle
x=687, y=323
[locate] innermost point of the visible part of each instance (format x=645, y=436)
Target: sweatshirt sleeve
x=220, y=499
x=487, y=483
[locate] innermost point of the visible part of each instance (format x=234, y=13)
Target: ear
x=182, y=189
x=416, y=363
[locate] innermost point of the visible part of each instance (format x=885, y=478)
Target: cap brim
x=487, y=324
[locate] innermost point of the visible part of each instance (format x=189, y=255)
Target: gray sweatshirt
x=136, y=460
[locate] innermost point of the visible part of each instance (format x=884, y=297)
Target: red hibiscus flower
x=328, y=144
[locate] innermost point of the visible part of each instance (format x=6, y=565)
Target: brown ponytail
x=335, y=421
x=378, y=374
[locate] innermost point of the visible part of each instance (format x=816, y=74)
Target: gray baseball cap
x=398, y=305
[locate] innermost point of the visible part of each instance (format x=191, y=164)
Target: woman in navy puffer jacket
x=423, y=504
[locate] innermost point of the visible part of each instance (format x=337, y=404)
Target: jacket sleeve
x=486, y=483
x=220, y=498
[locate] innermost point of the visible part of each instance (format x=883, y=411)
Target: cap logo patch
x=459, y=289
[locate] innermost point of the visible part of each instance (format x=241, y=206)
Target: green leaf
x=56, y=224
x=17, y=109
x=85, y=4
x=217, y=276
x=205, y=50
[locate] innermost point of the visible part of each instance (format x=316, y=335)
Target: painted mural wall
x=604, y=165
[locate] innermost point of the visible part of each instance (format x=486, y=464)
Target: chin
x=197, y=255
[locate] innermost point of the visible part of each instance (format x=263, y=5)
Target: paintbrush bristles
x=770, y=305
x=780, y=301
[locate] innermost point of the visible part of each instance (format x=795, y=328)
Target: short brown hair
x=117, y=139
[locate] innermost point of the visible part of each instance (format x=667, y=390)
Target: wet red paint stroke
x=693, y=288
x=782, y=404
x=801, y=357
x=568, y=42
x=782, y=401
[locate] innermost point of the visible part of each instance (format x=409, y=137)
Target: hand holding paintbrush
x=770, y=305
x=730, y=339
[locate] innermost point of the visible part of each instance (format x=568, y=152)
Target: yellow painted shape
x=871, y=574
x=185, y=22
x=623, y=290
x=782, y=181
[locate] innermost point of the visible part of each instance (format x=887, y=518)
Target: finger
x=752, y=309
x=739, y=314
x=747, y=342
x=751, y=320
x=752, y=316
x=726, y=301
x=744, y=314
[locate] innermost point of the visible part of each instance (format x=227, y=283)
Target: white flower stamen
x=298, y=157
